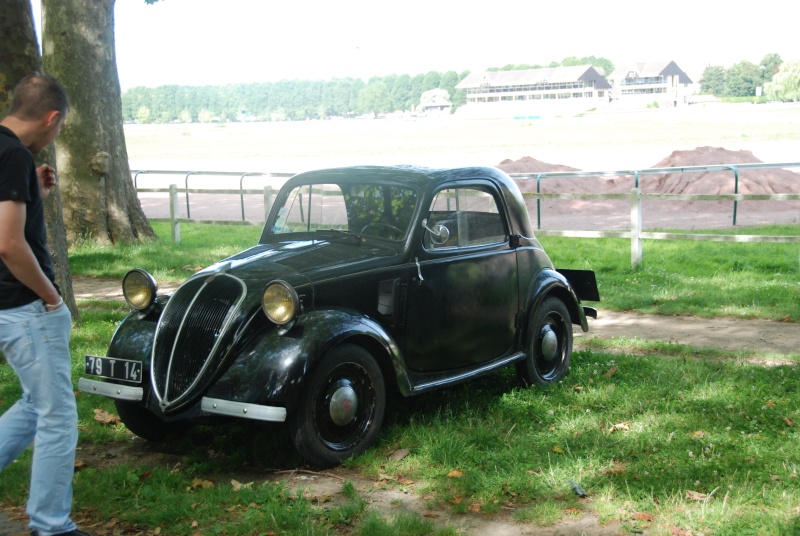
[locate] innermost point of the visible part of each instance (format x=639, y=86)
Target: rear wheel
x=341, y=410
x=548, y=345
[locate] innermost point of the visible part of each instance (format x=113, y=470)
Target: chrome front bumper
x=214, y=406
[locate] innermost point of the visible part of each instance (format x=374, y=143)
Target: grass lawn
x=663, y=439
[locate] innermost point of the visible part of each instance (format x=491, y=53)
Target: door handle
x=419, y=270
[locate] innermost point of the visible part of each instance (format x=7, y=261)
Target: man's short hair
x=37, y=94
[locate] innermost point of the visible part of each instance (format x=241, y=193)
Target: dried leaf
x=398, y=455
x=200, y=483
x=455, y=473
x=238, y=486
x=620, y=426
x=195, y=524
x=695, y=496
x=104, y=417
x=405, y=482
x=430, y=515
x=573, y=511
x=80, y=464
x=475, y=508
x=577, y=388
x=789, y=422
x=700, y=434
x=558, y=449
x=642, y=516
x=382, y=477
x=611, y=371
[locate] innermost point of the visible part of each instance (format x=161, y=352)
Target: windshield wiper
x=343, y=233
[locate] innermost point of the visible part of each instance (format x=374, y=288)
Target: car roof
x=425, y=179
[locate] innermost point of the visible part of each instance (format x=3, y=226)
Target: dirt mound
x=756, y=181
x=760, y=181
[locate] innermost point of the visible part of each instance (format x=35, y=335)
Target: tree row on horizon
x=298, y=100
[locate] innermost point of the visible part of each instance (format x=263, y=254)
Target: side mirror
x=439, y=234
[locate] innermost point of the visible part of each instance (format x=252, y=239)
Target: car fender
x=550, y=282
x=272, y=369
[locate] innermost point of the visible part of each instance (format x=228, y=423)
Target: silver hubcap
x=549, y=344
x=344, y=404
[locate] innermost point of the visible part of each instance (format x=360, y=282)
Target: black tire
x=341, y=410
x=548, y=345
x=144, y=424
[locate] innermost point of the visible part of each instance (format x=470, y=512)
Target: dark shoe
x=75, y=532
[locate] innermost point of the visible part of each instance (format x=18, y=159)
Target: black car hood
x=304, y=261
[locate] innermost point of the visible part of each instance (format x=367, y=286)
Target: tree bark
x=19, y=57
x=99, y=200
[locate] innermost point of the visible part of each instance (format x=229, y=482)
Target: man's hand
x=47, y=179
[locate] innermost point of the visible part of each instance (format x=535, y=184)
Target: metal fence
x=635, y=233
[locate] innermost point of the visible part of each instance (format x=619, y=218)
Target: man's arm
x=17, y=254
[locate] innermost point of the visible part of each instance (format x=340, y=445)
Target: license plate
x=111, y=367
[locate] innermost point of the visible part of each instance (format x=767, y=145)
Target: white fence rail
x=636, y=234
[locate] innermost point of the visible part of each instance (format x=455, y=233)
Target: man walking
x=34, y=322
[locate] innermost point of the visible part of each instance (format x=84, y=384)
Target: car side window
x=464, y=217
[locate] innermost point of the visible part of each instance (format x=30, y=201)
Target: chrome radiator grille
x=188, y=335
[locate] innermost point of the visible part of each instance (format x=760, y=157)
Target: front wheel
x=139, y=420
x=341, y=410
x=548, y=344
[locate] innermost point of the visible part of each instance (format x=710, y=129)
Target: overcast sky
x=203, y=42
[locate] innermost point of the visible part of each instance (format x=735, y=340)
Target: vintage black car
x=364, y=280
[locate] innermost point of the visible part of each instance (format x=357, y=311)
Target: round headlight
x=280, y=302
x=139, y=289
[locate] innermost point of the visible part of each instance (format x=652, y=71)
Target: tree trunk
x=19, y=57
x=99, y=200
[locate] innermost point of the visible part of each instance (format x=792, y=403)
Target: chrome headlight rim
x=282, y=308
x=149, y=287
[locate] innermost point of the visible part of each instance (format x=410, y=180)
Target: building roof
x=552, y=75
x=651, y=69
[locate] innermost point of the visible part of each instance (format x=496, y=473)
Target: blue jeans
x=36, y=345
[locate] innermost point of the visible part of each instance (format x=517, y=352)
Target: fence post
x=636, y=227
x=174, y=213
x=267, y=201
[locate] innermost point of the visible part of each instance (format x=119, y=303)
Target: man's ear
x=52, y=118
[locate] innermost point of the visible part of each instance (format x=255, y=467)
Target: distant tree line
x=286, y=100
x=740, y=80
x=605, y=64
x=298, y=100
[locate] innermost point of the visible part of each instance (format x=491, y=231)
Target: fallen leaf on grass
x=700, y=434
x=431, y=516
x=789, y=422
x=398, y=455
x=405, y=482
x=200, y=483
x=558, y=449
x=611, y=371
x=104, y=417
x=382, y=477
x=642, y=516
x=455, y=473
x=619, y=427
x=696, y=496
x=238, y=486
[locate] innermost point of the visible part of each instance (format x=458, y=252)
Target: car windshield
x=373, y=210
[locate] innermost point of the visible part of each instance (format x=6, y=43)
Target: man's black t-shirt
x=18, y=182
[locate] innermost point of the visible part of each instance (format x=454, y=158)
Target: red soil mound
x=760, y=181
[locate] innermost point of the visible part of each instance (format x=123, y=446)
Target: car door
x=463, y=296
